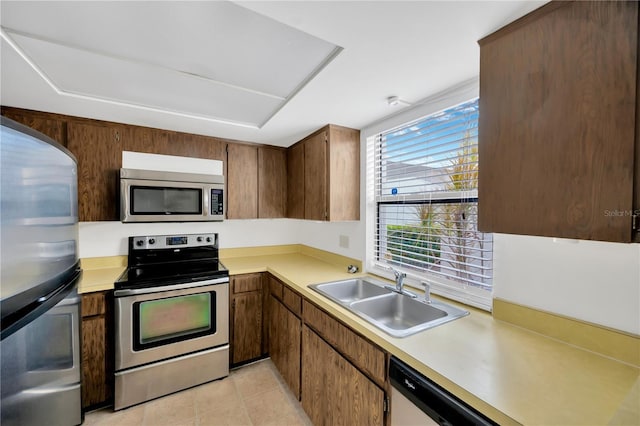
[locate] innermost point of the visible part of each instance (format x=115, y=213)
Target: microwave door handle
x=205, y=200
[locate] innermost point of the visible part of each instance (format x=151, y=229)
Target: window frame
x=474, y=296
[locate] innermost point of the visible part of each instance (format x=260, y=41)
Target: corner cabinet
x=559, y=123
x=339, y=376
x=324, y=175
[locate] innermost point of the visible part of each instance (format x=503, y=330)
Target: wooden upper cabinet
x=295, y=181
x=272, y=182
x=344, y=173
x=242, y=181
x=98, y=149
x=330, y=172
x=315, y=177
x=558, y=123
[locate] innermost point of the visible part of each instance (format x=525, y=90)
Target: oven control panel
x=155, y=242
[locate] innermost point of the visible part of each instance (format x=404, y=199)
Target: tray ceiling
x=209, y=60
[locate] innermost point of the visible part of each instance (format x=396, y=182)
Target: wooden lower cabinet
x=284, y=343
x=97, y=368
x=247, y=327
x=246, y=317
x=334, y=392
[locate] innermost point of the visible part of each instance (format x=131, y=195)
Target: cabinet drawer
x=275, y=287
x=292, y=300
x=355, y=348
x=93, y=304
x=246, y=283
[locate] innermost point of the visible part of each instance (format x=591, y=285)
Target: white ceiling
x=213, y=61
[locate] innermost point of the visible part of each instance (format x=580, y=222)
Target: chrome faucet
x=400, y=276
x=399, y=287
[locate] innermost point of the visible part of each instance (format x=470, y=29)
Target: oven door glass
x=147, y=200
x=173, y=319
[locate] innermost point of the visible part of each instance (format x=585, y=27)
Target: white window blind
x=426, y=189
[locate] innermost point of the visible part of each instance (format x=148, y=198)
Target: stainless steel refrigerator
x=40, y=351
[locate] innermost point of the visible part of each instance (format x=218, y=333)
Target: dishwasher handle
x=440, y=405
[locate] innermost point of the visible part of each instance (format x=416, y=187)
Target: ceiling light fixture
x=395, y=100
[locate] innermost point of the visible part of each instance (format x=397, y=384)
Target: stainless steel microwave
x=156, y=196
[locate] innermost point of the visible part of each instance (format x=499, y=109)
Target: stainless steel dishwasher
x=416, y=400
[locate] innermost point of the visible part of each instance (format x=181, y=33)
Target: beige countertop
x=99, y=274
x=508, y=373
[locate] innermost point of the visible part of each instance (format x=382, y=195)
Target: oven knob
x=139, y=243
x=208, y=239
x=152, y=240
x=199, y=239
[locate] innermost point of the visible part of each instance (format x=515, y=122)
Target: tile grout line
x=244, y=407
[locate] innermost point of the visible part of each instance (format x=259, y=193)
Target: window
x=426, y=198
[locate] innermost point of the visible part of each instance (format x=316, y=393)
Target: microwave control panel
x=217, y=204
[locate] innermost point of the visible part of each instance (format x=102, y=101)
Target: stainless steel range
x=172, y=317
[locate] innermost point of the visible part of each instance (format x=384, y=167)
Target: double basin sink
x=396, y=314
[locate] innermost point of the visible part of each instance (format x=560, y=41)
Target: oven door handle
x=181, y=286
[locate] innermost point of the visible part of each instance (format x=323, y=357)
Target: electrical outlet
x=344, y=241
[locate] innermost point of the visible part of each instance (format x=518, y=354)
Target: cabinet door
x=98, y=149
x=246, y=282
x=284, y=344
x=242, y=181
x=94, y=372
x=344, y=173
x=272, y=182
x=247, y=326
x=557, y=122
x=295, y=181
x=315, y=177
x=334, y=392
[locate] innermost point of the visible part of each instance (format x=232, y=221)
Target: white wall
x=589, y=280
x=98, y=239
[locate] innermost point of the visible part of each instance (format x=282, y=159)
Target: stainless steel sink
x=348, y=291
x=396, y=314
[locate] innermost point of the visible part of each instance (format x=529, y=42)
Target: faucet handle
x=397, y=273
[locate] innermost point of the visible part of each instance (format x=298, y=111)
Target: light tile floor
x=251, y=395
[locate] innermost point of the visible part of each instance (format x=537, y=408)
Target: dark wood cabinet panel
x=54, y=128
x=93, y=304
x=558, y=96
x=284, y=343
x=295, y=181
x=334, y=392
x=98, y=150
x=94, y=379
x=97, y=352
x=344, y=173
x=247, y=326
x=149, y=141
x=272, y=182
x=246, y=282
x=242, y=181
x=363, y=354
x=315, y=177
x=246, y=317
x=292, y=300
x=324, y=175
